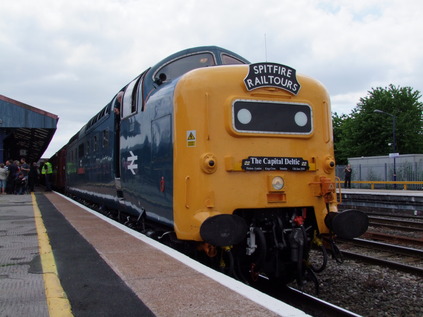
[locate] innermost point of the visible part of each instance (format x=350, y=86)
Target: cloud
x=71, y=57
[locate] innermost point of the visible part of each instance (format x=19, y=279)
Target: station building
x=25, y=131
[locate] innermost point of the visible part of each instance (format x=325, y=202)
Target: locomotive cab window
x=250, y=116
x=181, y=66
x=129, y=99
x=230, y=60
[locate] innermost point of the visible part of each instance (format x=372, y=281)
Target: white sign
x=131, y=160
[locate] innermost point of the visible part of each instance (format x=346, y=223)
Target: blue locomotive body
x=90, y=167
x=147, y=157
x=124, y=160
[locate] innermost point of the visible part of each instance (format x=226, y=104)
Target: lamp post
x=394, y=154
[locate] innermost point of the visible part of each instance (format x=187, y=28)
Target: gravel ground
x=370, y=290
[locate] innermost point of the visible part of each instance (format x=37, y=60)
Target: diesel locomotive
x=227, y=160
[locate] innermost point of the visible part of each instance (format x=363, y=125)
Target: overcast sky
x=70, y=57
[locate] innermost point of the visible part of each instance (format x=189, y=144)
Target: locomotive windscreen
x=183, y=65
x=271, y=117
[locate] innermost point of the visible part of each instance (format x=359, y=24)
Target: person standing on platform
x=47, y=171
x=33, y=177
x=3, y=177
x=348, y=172
x=13, y=171
x=20, y=183
x=24, y=167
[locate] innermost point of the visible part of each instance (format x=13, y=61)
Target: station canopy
x=25, y=131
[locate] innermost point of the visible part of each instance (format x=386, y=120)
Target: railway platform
x=59, y=258
x=401, y=202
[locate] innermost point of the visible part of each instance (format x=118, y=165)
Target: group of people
x=18, y=177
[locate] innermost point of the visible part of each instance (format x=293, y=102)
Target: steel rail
x=377, y=261
x=389, y=237
x=315, y=306
x=390, y=247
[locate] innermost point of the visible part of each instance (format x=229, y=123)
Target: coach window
x=95, y=145
x=88, y=148
x=105, y=139
x=129, y=99
x=81, y=152
x=181, y=66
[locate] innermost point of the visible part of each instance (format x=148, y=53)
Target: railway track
x=395, y=215
x=315, y=306
x=394, y=256
x=396, y=239
x=397, y=224
x=310, y=304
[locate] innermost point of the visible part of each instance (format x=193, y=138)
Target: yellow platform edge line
x=57, y=301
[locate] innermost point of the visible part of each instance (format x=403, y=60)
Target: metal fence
x=407, y=171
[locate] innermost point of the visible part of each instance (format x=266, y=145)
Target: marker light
x=244, y=116
x=277, y=183
x=300, y=119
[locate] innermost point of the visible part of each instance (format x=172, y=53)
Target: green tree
x=339, y=123
x=365, y=132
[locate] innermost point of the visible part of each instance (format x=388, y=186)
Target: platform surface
x=21, y=279
x=107, y=270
